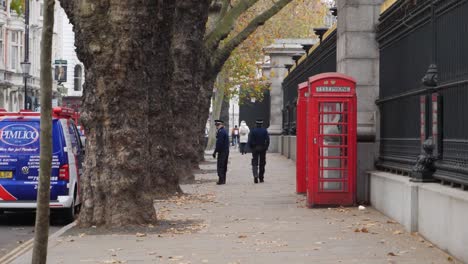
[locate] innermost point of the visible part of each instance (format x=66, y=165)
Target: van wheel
x=69, y=214
x=77, y=210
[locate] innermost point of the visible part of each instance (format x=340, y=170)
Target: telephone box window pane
x=330, y=152
x=333, y=129
x=334, y=118
x=334, y=140
x=331, y=186
x=333, y=152
x=330, y=174
x=333, y=107
x=333, y=169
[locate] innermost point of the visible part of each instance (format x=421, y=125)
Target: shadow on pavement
x=24, y=218
x=162, y=227
x=27, y=218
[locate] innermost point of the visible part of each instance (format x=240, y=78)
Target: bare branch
x=68, y=6
x=215, y=15
x=215, y=6
x=226, y=24
x=223, y=53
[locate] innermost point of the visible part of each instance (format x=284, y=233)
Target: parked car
x=19, y=161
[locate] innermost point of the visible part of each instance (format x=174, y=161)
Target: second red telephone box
x=301, y=135
x=331, y=140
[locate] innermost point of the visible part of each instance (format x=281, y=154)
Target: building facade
x=12, y=51
x=72, y=87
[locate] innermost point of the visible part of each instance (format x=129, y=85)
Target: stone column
x=280, y=54
x=358, y=56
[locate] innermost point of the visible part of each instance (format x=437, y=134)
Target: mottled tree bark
x=189, y=63
x=126, y=112
x=149, y=80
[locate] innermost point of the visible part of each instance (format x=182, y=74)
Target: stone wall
x=437, y=212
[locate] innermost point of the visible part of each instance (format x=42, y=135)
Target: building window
x=16, y=52
x=78, y=77
x=21, y=50
x=1, y=47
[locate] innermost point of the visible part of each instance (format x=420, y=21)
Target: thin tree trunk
x=204, y=102
x=225, y=115
x=216, y=113
x=41, y=233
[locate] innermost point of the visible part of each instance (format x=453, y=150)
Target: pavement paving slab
x=243, y=222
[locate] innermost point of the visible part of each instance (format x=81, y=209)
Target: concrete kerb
x=21, y=250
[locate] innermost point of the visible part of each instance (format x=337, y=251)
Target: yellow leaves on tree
x=296, y=20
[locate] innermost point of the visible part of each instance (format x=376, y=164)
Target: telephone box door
x=332, y=170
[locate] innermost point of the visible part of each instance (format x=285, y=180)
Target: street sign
x=60, y=62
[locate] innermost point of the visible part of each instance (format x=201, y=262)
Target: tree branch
x=218, y=11
x=223, y=53
x=226, y=24
x=224, y=9
x=68, y=6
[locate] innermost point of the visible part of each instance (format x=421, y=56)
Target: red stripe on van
x=5, y=195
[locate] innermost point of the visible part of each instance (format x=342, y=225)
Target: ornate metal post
x=424, y=168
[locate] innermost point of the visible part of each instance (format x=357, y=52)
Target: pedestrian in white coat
x=244, y=136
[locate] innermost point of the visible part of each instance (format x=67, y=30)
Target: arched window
x=2, y=100
x=78, y=77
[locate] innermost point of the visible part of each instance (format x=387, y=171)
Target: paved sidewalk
x=243, y=222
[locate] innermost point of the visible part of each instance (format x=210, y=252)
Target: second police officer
x=259, y=141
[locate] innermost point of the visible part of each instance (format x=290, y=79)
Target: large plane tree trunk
x=189, y=63
x=125, y=47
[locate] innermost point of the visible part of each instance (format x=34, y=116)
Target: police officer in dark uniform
x=259, y=141
x=222, y=148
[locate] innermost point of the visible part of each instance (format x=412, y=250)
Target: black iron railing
x=321, y=59
x=251, y=111
x=412, y=36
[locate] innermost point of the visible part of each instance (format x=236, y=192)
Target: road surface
x=17, y=228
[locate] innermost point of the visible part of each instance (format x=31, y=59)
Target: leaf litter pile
x=169, y=222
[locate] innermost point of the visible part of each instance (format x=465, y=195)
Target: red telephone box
x=301, y=133
x=331, y=140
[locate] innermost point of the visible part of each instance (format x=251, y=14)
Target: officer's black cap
x=217, y=122
x=259, y=121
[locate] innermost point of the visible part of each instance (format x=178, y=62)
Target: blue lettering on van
x=19, y=135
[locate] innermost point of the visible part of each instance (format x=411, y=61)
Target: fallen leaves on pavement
x=113, y=261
